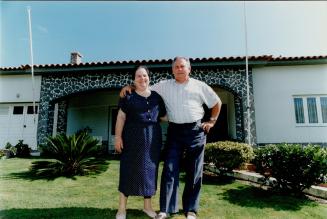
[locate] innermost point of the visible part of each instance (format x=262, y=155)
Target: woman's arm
x=121, y=117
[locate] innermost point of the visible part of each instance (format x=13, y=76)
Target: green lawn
x=97, y=197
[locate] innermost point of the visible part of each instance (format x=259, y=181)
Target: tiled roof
x=267, y=58
x=281, y=58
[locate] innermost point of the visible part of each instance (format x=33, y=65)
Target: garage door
x=17, y=123
x=4, y=125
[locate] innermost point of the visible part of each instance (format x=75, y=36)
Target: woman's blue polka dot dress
x=142, y=141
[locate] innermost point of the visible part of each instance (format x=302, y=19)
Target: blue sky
x=134, y=30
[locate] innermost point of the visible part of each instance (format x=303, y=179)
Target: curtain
x=312, y=110
x=323, y=103
x=299, y=115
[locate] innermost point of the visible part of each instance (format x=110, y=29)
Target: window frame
x=306, y=113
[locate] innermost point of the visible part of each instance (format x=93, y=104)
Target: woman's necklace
x=144, y=93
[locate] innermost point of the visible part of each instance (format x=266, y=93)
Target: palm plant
x=78, y=154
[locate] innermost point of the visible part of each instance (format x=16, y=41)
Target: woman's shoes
x=121, y=215
x=150, y=213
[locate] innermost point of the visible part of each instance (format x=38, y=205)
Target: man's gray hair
x=181, y=57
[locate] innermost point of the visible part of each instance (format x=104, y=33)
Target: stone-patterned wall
x=234, y=80
x=56, y=87
x=62, y=117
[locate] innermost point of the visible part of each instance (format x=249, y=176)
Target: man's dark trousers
x=188, y=138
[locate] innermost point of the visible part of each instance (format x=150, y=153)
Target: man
x=184, y=97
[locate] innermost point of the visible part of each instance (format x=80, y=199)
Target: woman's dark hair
x=137, y=68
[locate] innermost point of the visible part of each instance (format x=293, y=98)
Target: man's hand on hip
x=207, y=126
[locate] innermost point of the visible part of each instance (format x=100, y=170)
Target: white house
x=288, y=98
x=291, y=103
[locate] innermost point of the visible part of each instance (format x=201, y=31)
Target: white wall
x=274, y=88
x=18, y=88
x=91, y=110
x=95, y=117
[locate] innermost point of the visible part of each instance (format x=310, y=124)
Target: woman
x=138, y=139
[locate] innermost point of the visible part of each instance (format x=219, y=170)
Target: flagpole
x=247, y=78
x=32, y=61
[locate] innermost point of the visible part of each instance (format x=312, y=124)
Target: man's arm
x=130, y=88
x=126, y=89
x=215, y=110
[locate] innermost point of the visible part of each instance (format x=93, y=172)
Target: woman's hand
x=118, y=144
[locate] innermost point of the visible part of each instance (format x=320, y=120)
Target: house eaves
x=303, y=60
x=254, y=61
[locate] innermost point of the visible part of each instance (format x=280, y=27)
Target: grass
x=96, y=197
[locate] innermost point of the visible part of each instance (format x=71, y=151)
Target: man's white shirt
x=184, y=101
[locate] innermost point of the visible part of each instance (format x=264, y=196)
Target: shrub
x=78, y=154
x=228, y=155
x=22, y=149
x=2, y=153
x=10, y=151
x=293, y=166
x=8, y=145
x=86, y=130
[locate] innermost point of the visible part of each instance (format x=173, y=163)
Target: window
x=323, y=104
x=299, y=115
x=310, y=110
x=30, y=110
x=18, y=110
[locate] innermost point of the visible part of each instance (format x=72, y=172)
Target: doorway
x=220, y=130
